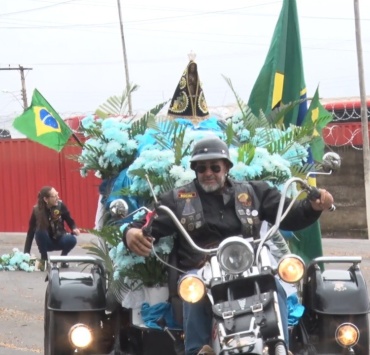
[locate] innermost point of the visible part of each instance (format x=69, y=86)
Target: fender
x=332, y=291
x=76, y=291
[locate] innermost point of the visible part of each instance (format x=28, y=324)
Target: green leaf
x=116, y=105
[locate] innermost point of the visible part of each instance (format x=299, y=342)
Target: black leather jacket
x=222, y=220
x=57, y=215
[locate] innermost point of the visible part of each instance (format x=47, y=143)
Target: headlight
x=347, y=335
x=291, y=268
x=235, y=255
x=80, y=336
x=191, y=288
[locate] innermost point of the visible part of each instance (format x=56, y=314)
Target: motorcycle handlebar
x=312, y=191
x=272, y=230
x=184, y=232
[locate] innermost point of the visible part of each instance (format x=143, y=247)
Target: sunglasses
x=202, y=168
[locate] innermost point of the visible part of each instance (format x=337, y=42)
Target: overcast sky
x=75, y=51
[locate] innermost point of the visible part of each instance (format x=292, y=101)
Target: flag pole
x=364, y=120
x=77, y=139
x=125, y=57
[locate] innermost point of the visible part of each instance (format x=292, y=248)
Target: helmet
x=209, y=148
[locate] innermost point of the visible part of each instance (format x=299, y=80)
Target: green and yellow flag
x=317, y=117
x=281, y=81
x=42, y=124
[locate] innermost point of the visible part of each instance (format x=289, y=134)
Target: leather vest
x=56, y=223
x=190, y=211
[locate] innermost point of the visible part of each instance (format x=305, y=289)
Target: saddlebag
x=76, y=291
x=332, y=291
x=236, y=302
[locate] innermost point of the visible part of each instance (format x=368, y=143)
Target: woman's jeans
x=65, y=243
x=198, y=321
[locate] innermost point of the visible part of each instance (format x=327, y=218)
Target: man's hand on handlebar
x=138, y=243
x=324, y=202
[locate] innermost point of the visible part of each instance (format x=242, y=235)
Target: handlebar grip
x=147, y=227
x=146, y=231
x=314, y=194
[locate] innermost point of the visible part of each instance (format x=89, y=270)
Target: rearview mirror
x=331, y=162
x=118, y=208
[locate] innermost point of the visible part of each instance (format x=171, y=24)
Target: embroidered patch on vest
x=245, y=199
x=188, y=210
x=186, y=195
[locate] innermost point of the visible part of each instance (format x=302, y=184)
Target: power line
x=35, y=9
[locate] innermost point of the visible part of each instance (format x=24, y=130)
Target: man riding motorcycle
x=211, y=208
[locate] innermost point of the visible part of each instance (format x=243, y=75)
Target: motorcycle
x=240, y=281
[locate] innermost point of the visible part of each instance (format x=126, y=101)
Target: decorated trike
x=83, y=317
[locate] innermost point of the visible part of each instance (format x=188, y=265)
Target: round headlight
x=291, y=268
x=347, y=335
x=235, y=255
x=80, y=336
x=191, y=289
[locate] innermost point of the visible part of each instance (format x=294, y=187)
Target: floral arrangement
x=137, y=271
x=16, y=261
x=160, y=150
x=110, y=147
x=127, y=271
x=262, y=153
x=112, y=137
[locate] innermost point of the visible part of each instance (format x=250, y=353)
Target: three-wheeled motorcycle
x=82, y=316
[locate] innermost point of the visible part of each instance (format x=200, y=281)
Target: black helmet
x=210, y=148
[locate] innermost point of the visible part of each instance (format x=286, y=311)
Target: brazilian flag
x=281, y=81
x=42, y=124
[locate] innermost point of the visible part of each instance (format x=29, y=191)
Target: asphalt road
x=22, y=293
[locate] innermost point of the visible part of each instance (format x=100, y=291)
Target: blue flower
x=88, y=122
x=16, y=260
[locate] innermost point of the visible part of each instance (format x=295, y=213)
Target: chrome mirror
x=118, y=208
x=331, y=162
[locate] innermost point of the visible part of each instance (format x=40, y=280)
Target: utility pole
x=24, y=92
x=23, y=83
x=364, y=119
x=125, y=58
